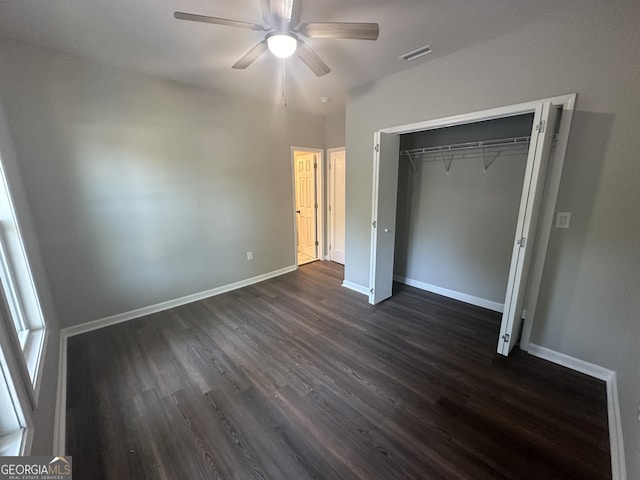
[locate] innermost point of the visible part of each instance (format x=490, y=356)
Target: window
x=24, y=314
x=22, y=326
x=23, y=306
x=15, y=431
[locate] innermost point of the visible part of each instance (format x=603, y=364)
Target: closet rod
x=485, y=149
x=456, y=147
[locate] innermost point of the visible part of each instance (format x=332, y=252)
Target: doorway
x=308, y=231
x=534, y=219
x=336, y=206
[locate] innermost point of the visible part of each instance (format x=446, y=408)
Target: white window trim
x=19, y=287
x=31, y=334
x=23, y=342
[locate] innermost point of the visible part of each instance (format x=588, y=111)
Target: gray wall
x=588, y=305
x=455, y=230
x=334, y=130
x=333, y=138
x=143, y=190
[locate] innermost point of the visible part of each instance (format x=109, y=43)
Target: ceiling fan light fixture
x=282, y=45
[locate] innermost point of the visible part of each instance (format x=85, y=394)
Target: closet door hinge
x=315, y=165
x=377, y=147
x=316, y=243
x=540, y=126
x=522, y=241
x=506, y=337
x=375, y=224
x=371, y=291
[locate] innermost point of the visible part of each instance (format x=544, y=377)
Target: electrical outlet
x=563, y=219
x=249, y=255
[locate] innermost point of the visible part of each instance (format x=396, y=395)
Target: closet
x=452, y=196
x=459, y=191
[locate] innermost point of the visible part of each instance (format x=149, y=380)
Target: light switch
x=563, y=219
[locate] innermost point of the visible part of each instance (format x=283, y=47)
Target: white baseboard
x=616, y=445
x=60, y=418
x=355, y=287
x=159, y=307
x=573, y=363
x=463, y=297
x=60, y=423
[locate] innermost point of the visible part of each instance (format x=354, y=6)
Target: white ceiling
x=143, y=35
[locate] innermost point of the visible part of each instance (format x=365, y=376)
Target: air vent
x=419, y=52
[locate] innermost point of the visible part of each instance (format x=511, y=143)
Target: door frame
x=320, y=200
x=549, y=196
x=330, y=186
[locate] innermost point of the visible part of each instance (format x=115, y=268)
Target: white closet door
x=534, y=179
x=383, y=224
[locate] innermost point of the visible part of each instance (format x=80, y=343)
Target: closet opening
x=463, y=207
x=459, y=191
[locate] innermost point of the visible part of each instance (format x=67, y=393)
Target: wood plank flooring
x=299, y=378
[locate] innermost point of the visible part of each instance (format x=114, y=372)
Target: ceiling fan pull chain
x=284, y=77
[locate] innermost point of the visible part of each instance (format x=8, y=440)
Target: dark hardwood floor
x=299, y=378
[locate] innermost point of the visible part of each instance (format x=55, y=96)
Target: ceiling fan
x=283, y=20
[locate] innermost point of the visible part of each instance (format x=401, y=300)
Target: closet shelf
x=487, y=150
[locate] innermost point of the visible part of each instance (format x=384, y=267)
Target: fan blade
x=192, y=17
x=265, y=6
x=282, y=14
x=251, y=56
x=356, y=31
x=282, y=9
x=295, y=13
x=311, y=59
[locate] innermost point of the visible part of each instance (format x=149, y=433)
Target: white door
x=305, y=165
x=383, y=223
x=534, y=179
x=337, y=205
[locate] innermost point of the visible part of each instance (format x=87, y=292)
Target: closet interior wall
x=455, y=229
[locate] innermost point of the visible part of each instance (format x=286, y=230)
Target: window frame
x=23, y=329
x=18, y=440
x=23, y=312
x=27, y=331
